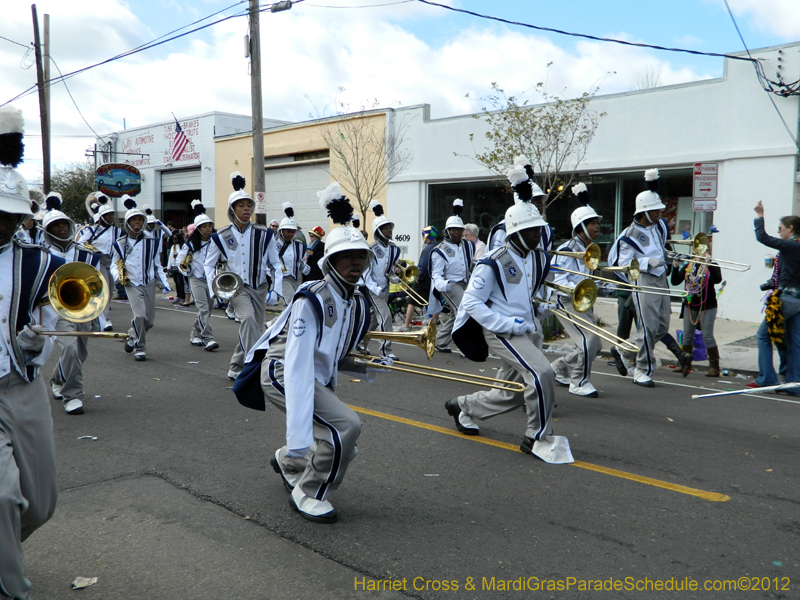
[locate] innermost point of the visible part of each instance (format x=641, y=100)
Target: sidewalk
x=735, y=339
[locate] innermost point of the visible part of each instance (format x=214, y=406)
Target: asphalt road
x=176, y=499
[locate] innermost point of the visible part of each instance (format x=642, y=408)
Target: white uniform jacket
x=497, y=237
x=249, y=254
x=646, y=244
x=73, y=253
x=311, y=339
x=35, y=236
x=451, y=263
x=140, y=255
x=197, y=268
x=499, y=292
x=101, y=237
x=292, y=255
x=383, y=261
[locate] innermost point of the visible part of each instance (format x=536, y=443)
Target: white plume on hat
x=577, y=189
x=11, y=120
x=651, y=175
x=329, y=194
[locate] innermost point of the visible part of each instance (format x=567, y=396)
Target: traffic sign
x=704, y=188
x=261, y=203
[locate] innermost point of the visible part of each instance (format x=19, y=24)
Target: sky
x=324, y=54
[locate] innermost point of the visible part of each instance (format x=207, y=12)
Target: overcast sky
x=402, y=54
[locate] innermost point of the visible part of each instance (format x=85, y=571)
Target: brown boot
x=688, y=349
x=713, y=362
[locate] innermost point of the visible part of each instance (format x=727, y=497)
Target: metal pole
x=43, y=114
x=258, y=116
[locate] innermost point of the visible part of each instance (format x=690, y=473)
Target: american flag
x=181, y=141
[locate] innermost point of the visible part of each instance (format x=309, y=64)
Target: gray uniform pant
x=336, y=430
x=706, y=319
x=524, y=362
x=509, y=374
x=142, y=299
x=653, y=314
x=105, y=269
x=444, y=335
x=202, y=300
x=251, y=309
x=289, y=285
x=28, y=483
x=381, y=321
x=577, y=365
x=68, y=374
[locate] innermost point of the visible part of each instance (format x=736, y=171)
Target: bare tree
x=368, y=156
x=648, y=77
x=555, y=135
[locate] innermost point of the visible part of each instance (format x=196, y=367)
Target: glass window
x=485, y=203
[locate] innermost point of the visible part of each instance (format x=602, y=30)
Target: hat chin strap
x=516, y=240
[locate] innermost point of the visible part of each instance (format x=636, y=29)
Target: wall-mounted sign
x=116, y=179
x=705, y=186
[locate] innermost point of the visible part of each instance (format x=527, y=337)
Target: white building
x=729, y=121
x=168, y=185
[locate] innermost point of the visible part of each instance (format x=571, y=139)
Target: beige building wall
x=235, y=153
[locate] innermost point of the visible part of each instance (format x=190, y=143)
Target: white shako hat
x=380, y=217
x=200, y=214
x=521, y=179
x=37, y=202
x=104, y=205
x=52, y=214
x=455, y=222
x=288, y=221
x=14, y=196
x=584, y=212
x=345, y=237
x=148, y=212
x=132, y=211
x=238, y=182
x=649, y=199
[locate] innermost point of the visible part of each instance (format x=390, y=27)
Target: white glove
x=306, y=269
x=30, y=341
x=383, y=362
x=519, y=327
x=542, y=308
x=272, y=298
x=297, y=452
x=167, y=290
x=654, y=265
x=448, y=287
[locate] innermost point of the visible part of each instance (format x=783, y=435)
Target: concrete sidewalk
x=735, y=339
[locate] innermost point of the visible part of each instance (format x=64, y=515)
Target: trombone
x=592, y=328
x=426, y=340
x=699, y=244
x=583, y=295
x=79, y=293
x=406, y=278
x=226, y=285
x=627, y=287
x=591, y=258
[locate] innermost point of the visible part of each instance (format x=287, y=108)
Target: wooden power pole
x=43, y=108
x=259, y=184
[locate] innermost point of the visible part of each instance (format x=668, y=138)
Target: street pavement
x=175, y=499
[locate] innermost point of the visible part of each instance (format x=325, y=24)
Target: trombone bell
x=591, y=257
x=583, y=295
x=425, y=339
x=78, y=292
x=227, y=285
x=409, y=273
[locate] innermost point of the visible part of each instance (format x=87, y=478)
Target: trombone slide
x=595, y=329
x=97, y=334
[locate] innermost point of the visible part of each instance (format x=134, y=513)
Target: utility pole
x=43, y=108
x=259, y=184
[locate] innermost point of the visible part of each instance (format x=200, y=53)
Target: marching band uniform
x=645, y=240
x=101, y=236
x=155, y=228
x=66, y=382
x=295, y=364
x=451, y=264
x=575, y=368
x=198, y=248
x=496, y=315
x=384, y=255
x=140, y=255
x=249, y=251
x=291, y=254
x=28, y=486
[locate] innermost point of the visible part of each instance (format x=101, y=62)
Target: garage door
x=181, y=180
x=298, y=185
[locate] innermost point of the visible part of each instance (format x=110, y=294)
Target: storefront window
x=485, y=203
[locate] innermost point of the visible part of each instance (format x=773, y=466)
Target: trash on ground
x=668, y=419
x=355, y=381
x=82, y=582
x=88, y=437
x=98, y=396
x=769, y=470
x=156, y=378
x=193, y=362
x=431, y=474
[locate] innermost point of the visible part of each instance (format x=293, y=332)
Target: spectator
x=471, y=234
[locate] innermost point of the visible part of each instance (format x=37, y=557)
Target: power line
x=13, y=42
x=73, y=99
x=362, y=6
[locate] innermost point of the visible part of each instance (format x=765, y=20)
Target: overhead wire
x=97, y=135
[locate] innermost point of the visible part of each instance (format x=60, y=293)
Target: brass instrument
x=628, y=287
x=186, y=264
x=426, y=340
x=591, y=257
x=79, y=293
x=583, y=295
x=406, y=278
x=226, y=285
x=699, y=244
x=122, y=275
x=631, y=270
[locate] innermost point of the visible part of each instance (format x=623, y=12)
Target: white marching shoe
x=56, y=389
x=587, y=390
x=640, y=378
x=73, y=407
x=319, y=511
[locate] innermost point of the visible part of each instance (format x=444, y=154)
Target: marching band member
x=66, y=382
x=248, y=250
x=645, y=240
x=291, y=253
x=154, y=228
x=195, y=250
x=100, y=238
x=575, y=369
x=451, y=264
x=314, y=253
x=497, y=315
x=384, y=256
x=135, y=264
x=28, y=485
x=357, y=225
x=423, y=284
x=295, y=363
x=28, y=232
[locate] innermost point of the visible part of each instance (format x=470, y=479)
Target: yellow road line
x=710, y=496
